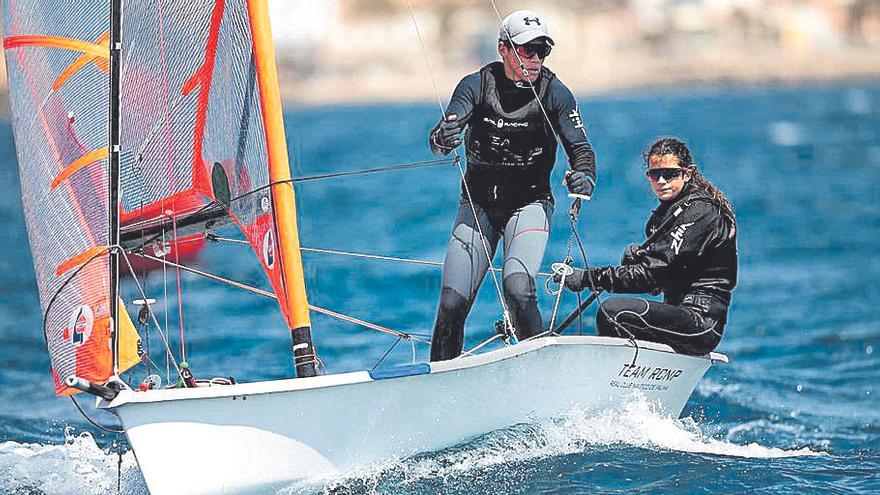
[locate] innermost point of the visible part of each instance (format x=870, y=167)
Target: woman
x=689, y=255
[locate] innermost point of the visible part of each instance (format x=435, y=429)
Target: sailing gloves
x=575, y=282
x=580, y=184
x=598, y=279
x=446, y=136
x=632, y=254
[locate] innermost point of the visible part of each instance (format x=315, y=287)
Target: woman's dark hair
x=680, y=150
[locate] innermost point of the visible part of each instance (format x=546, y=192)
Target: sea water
x=795, y=411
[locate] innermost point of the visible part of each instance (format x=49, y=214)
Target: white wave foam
x=639, y=425
x=77, y=467
x=636, y=424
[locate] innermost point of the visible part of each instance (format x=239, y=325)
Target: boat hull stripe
x=399, y=371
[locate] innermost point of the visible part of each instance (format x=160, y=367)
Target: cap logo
x=530, y=20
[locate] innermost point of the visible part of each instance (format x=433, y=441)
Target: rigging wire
x=508, y=322
x=386, y=353
x=179, y=290
x=391, y=258
x=169, y=354
x=403, y=166
x=333, y=175
x=271, y=295
x=165, y=306
x=215, y=238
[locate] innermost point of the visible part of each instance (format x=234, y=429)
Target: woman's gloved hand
x=573, y=282
x=632, y=254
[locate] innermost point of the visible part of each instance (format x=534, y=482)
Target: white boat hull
x=251, y=437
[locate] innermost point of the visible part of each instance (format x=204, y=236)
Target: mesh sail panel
x=163, y=48
x=189, y=102
x=193, y=130
x=57, y=71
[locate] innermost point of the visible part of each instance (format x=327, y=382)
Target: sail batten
x=93, y=49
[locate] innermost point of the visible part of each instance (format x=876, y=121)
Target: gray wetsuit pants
x=525, y=231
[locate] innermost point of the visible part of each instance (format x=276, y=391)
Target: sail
x=57, y=66
x=202, y=127
x=202, y=143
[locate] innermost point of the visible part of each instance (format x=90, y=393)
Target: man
x=510, y=145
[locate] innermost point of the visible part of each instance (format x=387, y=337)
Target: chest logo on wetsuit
x=501, y=123
x=678, y=236
x=575, y=117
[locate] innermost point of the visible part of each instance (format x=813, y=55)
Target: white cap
x=523, y=26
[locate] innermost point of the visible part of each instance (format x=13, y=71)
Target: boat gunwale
x=266, y=387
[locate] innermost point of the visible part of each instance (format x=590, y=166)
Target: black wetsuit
x=691, y=257
x=511, y=150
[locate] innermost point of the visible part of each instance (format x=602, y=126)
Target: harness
x=510, y=153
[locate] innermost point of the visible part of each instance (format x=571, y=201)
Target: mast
x=113, y=163
x=304, y=353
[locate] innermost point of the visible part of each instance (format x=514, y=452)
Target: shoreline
x=640, y=73
x=669, y=89
x=670, y=86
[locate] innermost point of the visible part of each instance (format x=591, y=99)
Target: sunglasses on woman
x=668, y=174
x=531, y=49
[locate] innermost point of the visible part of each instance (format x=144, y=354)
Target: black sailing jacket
x=690, y=256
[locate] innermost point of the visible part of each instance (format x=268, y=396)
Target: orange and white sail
x=201, y=128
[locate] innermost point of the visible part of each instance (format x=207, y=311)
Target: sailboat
x=140, y=129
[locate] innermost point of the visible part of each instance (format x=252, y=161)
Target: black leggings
x=680, y=327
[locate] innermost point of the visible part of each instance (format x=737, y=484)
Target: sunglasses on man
x=668, y=174
x=529, y=50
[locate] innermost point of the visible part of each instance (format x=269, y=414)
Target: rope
x=404, y=166
x=391, y=258
x=179, y=291
x=508, y=323
x=165, y=298
x=271, y=295
x=92, y=421
x=471, y=352
x=597, y=295
x=372, y=326
x=169, y=354
x=564, y=270
x=380, y=257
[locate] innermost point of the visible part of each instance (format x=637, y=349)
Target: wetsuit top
x=690, y=255
x=510, y=148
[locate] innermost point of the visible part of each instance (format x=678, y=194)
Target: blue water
x=795, y=411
